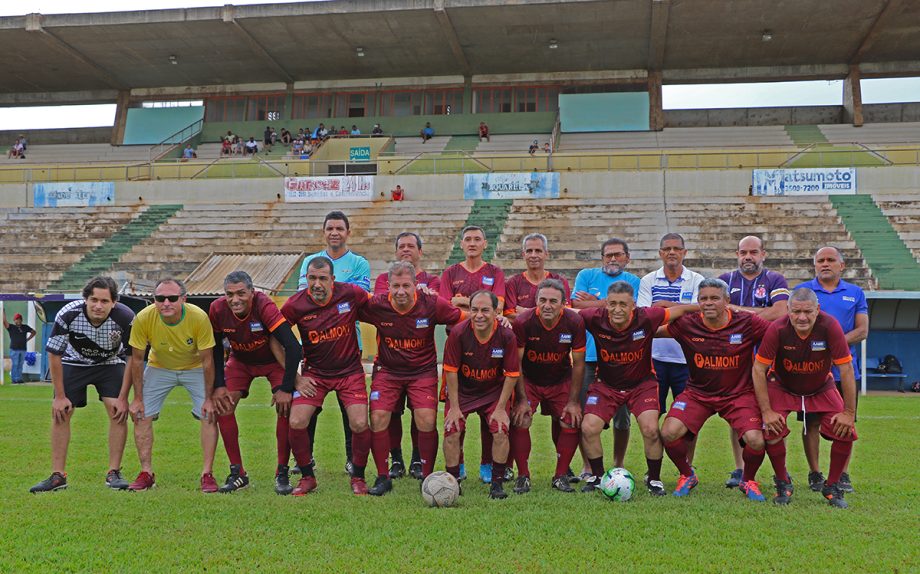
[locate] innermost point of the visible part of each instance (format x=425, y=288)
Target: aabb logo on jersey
x=330, y=334
x=804, y=367
x=717, y=362
x=498, y=353
x=818, y=346
x=565, y=338
x=343, y=307
x=421, y=323
x=638, y=335
x=479, y=374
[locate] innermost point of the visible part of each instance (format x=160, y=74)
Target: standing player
x=624, y=336
x=87, y=347
x=406, y=365
x=482, y=367
x=718, y=344
x=757, y=290
x=349, y=268
x=325, y=314
x=521, y=290
x=551, y=344
x=249, y=321
x=180, y=339
x=408, y=248
x=846, y=303
x=590, y=292
x=801, y=348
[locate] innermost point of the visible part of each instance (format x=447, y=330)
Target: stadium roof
x=690, y=41
x=268, y=271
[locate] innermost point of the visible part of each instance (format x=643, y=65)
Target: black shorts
x=106, y=378
x=817, y=417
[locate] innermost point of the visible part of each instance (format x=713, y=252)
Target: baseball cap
x=17, y=316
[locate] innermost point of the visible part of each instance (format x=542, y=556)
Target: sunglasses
x=170, y=298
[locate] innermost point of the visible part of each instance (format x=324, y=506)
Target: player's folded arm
x=218, y=352
x=292, y=354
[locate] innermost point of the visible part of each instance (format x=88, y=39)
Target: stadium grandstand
x=580, y=146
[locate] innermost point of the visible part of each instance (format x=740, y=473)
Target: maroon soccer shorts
x=350, y=389
x=551, y=399
x=484, y=412
x=388, y=391
x=827, y=404
x=239, y=375
x=604, y=401
x=739, y=410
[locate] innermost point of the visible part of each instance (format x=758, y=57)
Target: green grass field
x=174, y=528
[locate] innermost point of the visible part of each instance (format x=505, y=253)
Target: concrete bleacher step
x=516, y=143
x=413, y=145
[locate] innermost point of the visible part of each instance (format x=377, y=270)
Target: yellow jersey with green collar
x=173, y=347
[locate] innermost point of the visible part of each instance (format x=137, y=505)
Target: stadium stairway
x=891, y=261
x=101, y=259
x=489, y=214
x=805, y=135
x=462, y=143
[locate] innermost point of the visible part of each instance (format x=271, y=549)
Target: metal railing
x=171, y=142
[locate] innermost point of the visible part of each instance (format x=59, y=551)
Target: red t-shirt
x=422, y=279
x=624, y=358
x=405, y=342
x=719, y=360
x=327, y=332
x=481, y=367
x=456, y=280
x=248, y=337
x=520, y=292
x=803, y=366
x=547, y=352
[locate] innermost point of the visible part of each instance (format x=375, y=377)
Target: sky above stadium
x=674, y=96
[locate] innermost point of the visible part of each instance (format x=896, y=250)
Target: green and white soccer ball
x=618, y=484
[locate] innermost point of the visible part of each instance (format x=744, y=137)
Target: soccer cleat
x=349, y=467
x=283, y=481
x=815, y=481
x=398, y=469
x=751, y=489
x=585, y=475
x=685, y=484
x=208, y=484
x=509, y=474
x=734, y=479
x=381, y=486
x=415, y=469
x=522, y=485
x=463, y=472
x=655, y=487
x=144, y=481
x=562, y=484
x=784, y=490
x=236, y=480
x=57, y=481
x=844, y=483
x=115, y=481
x=306, y=485
x=592, y=483
x=497, y=492
x=485, y=473
x=573, y=478
x=358, y=486
x=834, y=496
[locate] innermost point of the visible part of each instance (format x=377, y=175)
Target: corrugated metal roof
x=269, y=271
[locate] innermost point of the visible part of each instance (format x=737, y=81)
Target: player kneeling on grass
x=88, y=347
x=551, y=347
x=325, y=314
x=481, y=365
x=261, y=345
x=719, y=346
x=801, y=348
x=624, y=335
x=406, y=364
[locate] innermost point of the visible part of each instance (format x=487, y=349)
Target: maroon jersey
x=405, y=342
x=327, y=332
x=624, y=358
x=456, y=280
x=481, y=367
x=719, y=360
x=520, y=292
x=422, y=279
x=803, y=366
x=547, y=352
x=248, y=337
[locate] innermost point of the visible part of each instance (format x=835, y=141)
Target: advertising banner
x=525, y=185
x=805, y=181
x=73, y=194
x=342, y=188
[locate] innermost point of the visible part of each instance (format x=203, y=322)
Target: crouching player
x=801, y=348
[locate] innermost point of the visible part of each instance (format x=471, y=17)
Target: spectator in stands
x=286, y=138
x=397, y=194
x=16, y=150
x=237, y=145
x=321, y=132
x=546, y=147
x=24, y=142
x=342, y=131
x=484, y=132
x=252, y=147
x=189, y=153
x=19, y=335
x=297, y=147
x=266, y=139
x=534, y=148
x=355, y=131
x=226, y=148
x=303, y=135
x=377, y=131
x=274, y=136
x=427, y=132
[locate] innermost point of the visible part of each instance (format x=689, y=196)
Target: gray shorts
x=158, y=382
x=621, y=420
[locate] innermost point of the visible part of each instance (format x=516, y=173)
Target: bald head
x=829, y=265
x=751, y=255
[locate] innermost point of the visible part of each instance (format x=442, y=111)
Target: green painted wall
x=153, y=125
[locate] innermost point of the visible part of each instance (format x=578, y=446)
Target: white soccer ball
x=440, y=489
x=618, y=484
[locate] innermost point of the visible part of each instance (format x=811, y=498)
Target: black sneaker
x=734, y=479
x=834, y=496
x=784, y=490
x=815, y=481
x=381, y=486
x=349, y=468
x=655, y=487
x=592, y=483
x=509, y=474
x=283, y=481
x=522, y=485
x=56, y=481
x=844, y=483
x=397, y=469
x=415, y=469
x=573, y=478
x=115, y=481
x=562, y=484
x=497, y=492
x=236, y=480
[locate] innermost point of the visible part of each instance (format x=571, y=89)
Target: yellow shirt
x=173, y=347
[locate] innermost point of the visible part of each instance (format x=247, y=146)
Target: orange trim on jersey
x=486, y=340
x=277, y=324
x=414, y=303
x=629, y=321
x=553, y=326
x=843, y=361
x=579, y=350
x=667, y=315
x=762, y=360
x=463, y=316
x=545, y=277
x=449, y=369
x=512, y=374
x=474, y=271
x=507, y=312
x=729, y=322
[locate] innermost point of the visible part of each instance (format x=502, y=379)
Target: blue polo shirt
x=596, y=282
x=349, y=268
x=843, y=304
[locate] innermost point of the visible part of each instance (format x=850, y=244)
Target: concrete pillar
x=852, y=98
x=288, y=101
x=121, y=117
x=655, y=106
x=467, y=94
